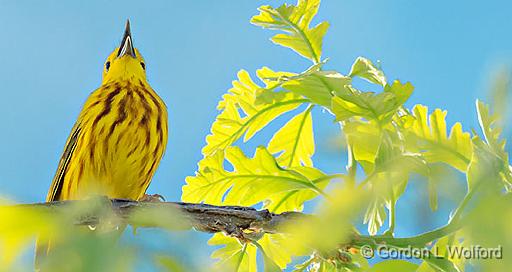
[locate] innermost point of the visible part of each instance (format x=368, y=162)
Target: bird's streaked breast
x=124, y=127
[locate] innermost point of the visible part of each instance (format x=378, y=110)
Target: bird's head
x=124, y=62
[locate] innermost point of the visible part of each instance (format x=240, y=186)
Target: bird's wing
x=71, y=143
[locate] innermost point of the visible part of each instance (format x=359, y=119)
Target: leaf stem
x=458, y=211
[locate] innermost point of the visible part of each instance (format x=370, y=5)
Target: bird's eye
x=107, y=65
x=143, y=65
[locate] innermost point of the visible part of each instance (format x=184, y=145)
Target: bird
x=119, y=138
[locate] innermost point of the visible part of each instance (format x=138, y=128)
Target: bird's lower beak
x=126, y=47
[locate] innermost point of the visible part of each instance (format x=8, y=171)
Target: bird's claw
x=152, y=198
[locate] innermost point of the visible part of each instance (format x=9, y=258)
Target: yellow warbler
x=119, y=138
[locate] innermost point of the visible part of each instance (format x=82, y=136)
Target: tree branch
x=232, y=220
x=235, y=221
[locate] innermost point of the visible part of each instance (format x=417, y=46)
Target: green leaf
x=371, y=106
x=499, y=93
x=170, y=263
x=82, y=250
x=446, y=262
x=294, y=200
x=394, y=266
x=269, y=263
x=332, y=224
x=485, y=167
x=18, y=227
x=305, y=265
x=295, y=140
x=364, y=139
x=326, y=266
x=233, y=256
x=401, y=91
x=295, y=22
x=252, y=181
x=488, y=124
x=318, y=86
x=491, y=130
x=243, y=113
x=375, y=214
x=488, y=225
x=388, y=181
x=272, y=80
x=429, y=137
x=391, y=159
x=438, y=174
x=365, y=69
x=441, y=264
x=236, y=256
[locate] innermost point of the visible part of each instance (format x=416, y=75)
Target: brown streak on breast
x=131, y=151
x=80, y=169
x=107, y=106
x=121, y=111
x=151, y=169
x=91, y=150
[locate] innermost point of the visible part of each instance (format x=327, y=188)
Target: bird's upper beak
x=126, y=47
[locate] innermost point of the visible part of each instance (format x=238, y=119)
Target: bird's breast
x=126, y=134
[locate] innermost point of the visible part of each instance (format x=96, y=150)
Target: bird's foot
x=152, y=198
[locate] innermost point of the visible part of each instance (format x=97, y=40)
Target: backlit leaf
x=488, y=125
x=252, y=181
x=233, y=255
x=294, y=200
x=295, y=22
x=485, y=167
x=371, y=106
x=365, y=69
x=241, y=114
x=427, y=134
x=364, y=139
x=401, y=91
x=319, y=86
x=295, y=141
x=492, y=133
x=275, y=255
x=237, y=256
x=388, y=181
x=375, y=214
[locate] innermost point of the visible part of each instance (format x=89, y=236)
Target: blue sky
x=52, y=54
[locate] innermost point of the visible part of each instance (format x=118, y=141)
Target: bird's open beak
x=126, y=47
